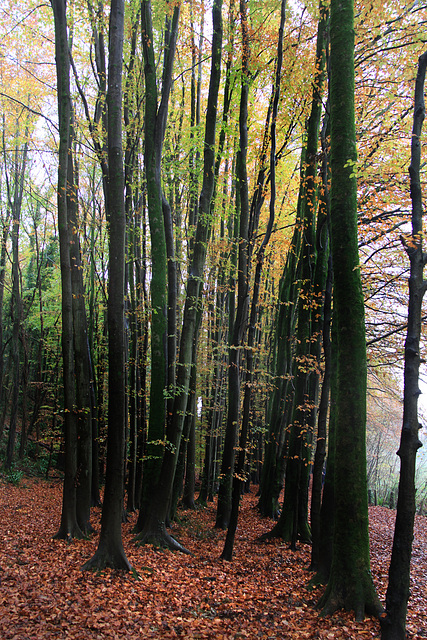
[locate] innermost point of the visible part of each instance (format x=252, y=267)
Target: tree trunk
x=82, y=362
x=393, y=622
x=186, y=455
x=326, y=319
x=4, y=237
x=238, y=479
x=110, y=552
x=154, y=528
x=240, y=321
x=15, y=203
x=155, y=126
x=68, y=528
x=293, y=522
x=320, y=453
x=350, y=583
x=280, y=401
x=133, y=124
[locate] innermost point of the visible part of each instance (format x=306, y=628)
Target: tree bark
x=110, y=552
x=162, y=382
x=224, y=504
x=326, y=319
x=350, y=583
x=15, y=204
x=238, y=479
x=280, y=400
x=393, y=622
x=82, y=364
x=68, y=528
x=154, y=528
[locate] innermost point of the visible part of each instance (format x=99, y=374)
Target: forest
x=211, y=293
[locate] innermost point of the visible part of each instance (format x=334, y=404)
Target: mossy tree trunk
x=350, y=583
x=155, y=119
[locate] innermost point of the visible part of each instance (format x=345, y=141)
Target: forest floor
x=262, y=593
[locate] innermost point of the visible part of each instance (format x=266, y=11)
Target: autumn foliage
x=261, y=594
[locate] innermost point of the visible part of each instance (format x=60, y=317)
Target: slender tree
x=293, y=521
x=393, y=622
x=69, y=527
x=154, y=525
x=110, y=552
x=324, y=323
x=155, y=119
x=82, y=363
x=238, y=478
x=241, y=316
x=15, y=190
x=5, y=224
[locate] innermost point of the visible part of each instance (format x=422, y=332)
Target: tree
x=155, y=119
x=154, y=524
x=15, y=189
x=69, y=527
x=219, y=330
x=239, y=321
x=280, y=400
x=110, y=552
x=293, y=521
x=238, y=478
x=393, y=622
x=323, y=321
x=350, y=582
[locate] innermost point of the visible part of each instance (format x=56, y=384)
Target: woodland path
x=261, y=594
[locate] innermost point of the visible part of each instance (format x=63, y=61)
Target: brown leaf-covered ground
x=261, y=594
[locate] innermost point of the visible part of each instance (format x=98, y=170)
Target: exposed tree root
x=274, y=534
x=160, y=538
x=105, y=558
x=67, y=533
x=88, y=530
x=266, y=537
x=318, y=580
x=362, y=600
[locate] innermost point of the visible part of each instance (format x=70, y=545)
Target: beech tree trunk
x=324, y=328
x=241, y=317
x=15, y=188
x=350, y=583
x=110, y=552
x=68, y=528
x=280, y=401
x=393, y=622
x=4, y=233
x=82, y=364
x=238, y=479
x=293, y=521
x=162, y=382
x=153, y=529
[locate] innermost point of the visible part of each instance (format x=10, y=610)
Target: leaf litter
x=262, y=594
